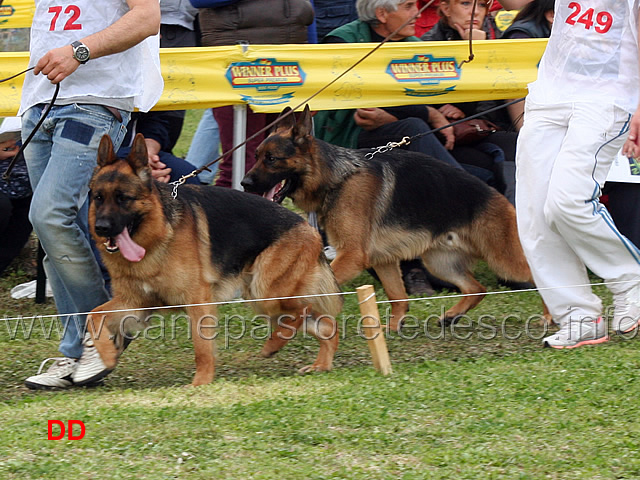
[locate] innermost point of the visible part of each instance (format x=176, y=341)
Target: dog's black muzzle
x=250, y=184
x=106, y=227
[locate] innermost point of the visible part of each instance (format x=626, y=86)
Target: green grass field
x=480, y=401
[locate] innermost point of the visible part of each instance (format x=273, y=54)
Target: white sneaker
x=90, y=368
x=626, y=316
x=578, y=333
x=59, y=375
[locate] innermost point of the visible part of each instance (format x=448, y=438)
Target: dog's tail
x=324, y=285
x=496, y=238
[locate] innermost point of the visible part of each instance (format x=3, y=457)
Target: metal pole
x=239, y=136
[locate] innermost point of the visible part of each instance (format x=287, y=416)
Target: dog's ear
x=138, y=159
x=106, y=155
x=286, y=119
x=303, y=129
x=304, y=126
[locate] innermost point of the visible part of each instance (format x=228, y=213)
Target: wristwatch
x=81, y=52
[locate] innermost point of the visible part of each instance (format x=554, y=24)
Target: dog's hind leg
x=455, y=267
x=496, y=238
x=290, y=321
x=325, y=329
x=391, y=278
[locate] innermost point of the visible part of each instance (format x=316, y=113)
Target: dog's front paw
x=314, y=368
x=267, y=353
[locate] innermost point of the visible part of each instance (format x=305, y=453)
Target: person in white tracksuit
x=578, y=115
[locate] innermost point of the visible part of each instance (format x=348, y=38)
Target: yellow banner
x=16, y=13
x=270, y=77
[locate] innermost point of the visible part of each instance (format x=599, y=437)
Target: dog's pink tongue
x=271, y=193
x=129, y=249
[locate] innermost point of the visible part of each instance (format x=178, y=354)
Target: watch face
x=81, y=53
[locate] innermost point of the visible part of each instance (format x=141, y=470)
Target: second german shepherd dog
x=200, y=248
x=394, y=206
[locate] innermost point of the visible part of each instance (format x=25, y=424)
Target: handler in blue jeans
x=105, y=66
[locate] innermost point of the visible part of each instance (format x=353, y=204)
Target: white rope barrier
x=252, y=300
x=168, y=307
x=460, y=295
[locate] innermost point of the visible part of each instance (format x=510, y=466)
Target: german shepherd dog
x=200, y=248
x=395, y=206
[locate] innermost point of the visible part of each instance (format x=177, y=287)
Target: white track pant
x=563, y=158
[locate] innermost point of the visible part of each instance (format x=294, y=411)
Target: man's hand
x=57, y=64
x=452, y=112
x=159, y=170
x=631, y=147
x=437, y=120
x=8, y=149
x=372, y=118
x=476, y=33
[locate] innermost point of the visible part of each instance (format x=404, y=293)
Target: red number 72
x=70, y=24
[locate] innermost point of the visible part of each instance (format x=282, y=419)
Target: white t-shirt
x=133, y=75
x=592, y=54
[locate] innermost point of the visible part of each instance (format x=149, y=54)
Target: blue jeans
x=205, y=146
x=61, y=158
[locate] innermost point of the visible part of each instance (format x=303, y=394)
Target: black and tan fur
x=395, y=206
x=200, y=248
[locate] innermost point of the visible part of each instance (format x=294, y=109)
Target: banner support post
x=239, y=136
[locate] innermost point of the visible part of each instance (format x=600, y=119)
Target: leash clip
x=387, y=147
x=180, y=181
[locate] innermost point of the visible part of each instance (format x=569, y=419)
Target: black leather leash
x=12, y=163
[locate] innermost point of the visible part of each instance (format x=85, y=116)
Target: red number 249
x=604, y=20
x=72, y=11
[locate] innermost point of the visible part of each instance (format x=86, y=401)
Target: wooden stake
x=372, y=329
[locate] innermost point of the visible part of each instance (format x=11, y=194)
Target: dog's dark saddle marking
x=252, y=224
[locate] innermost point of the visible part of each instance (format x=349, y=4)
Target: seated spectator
x=455, y=24
x=15, y=199
x=430, y=16
x=370, y=127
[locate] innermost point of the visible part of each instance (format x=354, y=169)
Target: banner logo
x=424, y=69
x=5, y=12
x=266, y=75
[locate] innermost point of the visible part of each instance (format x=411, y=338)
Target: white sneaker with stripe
x=59, y=375
x=90, y=367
